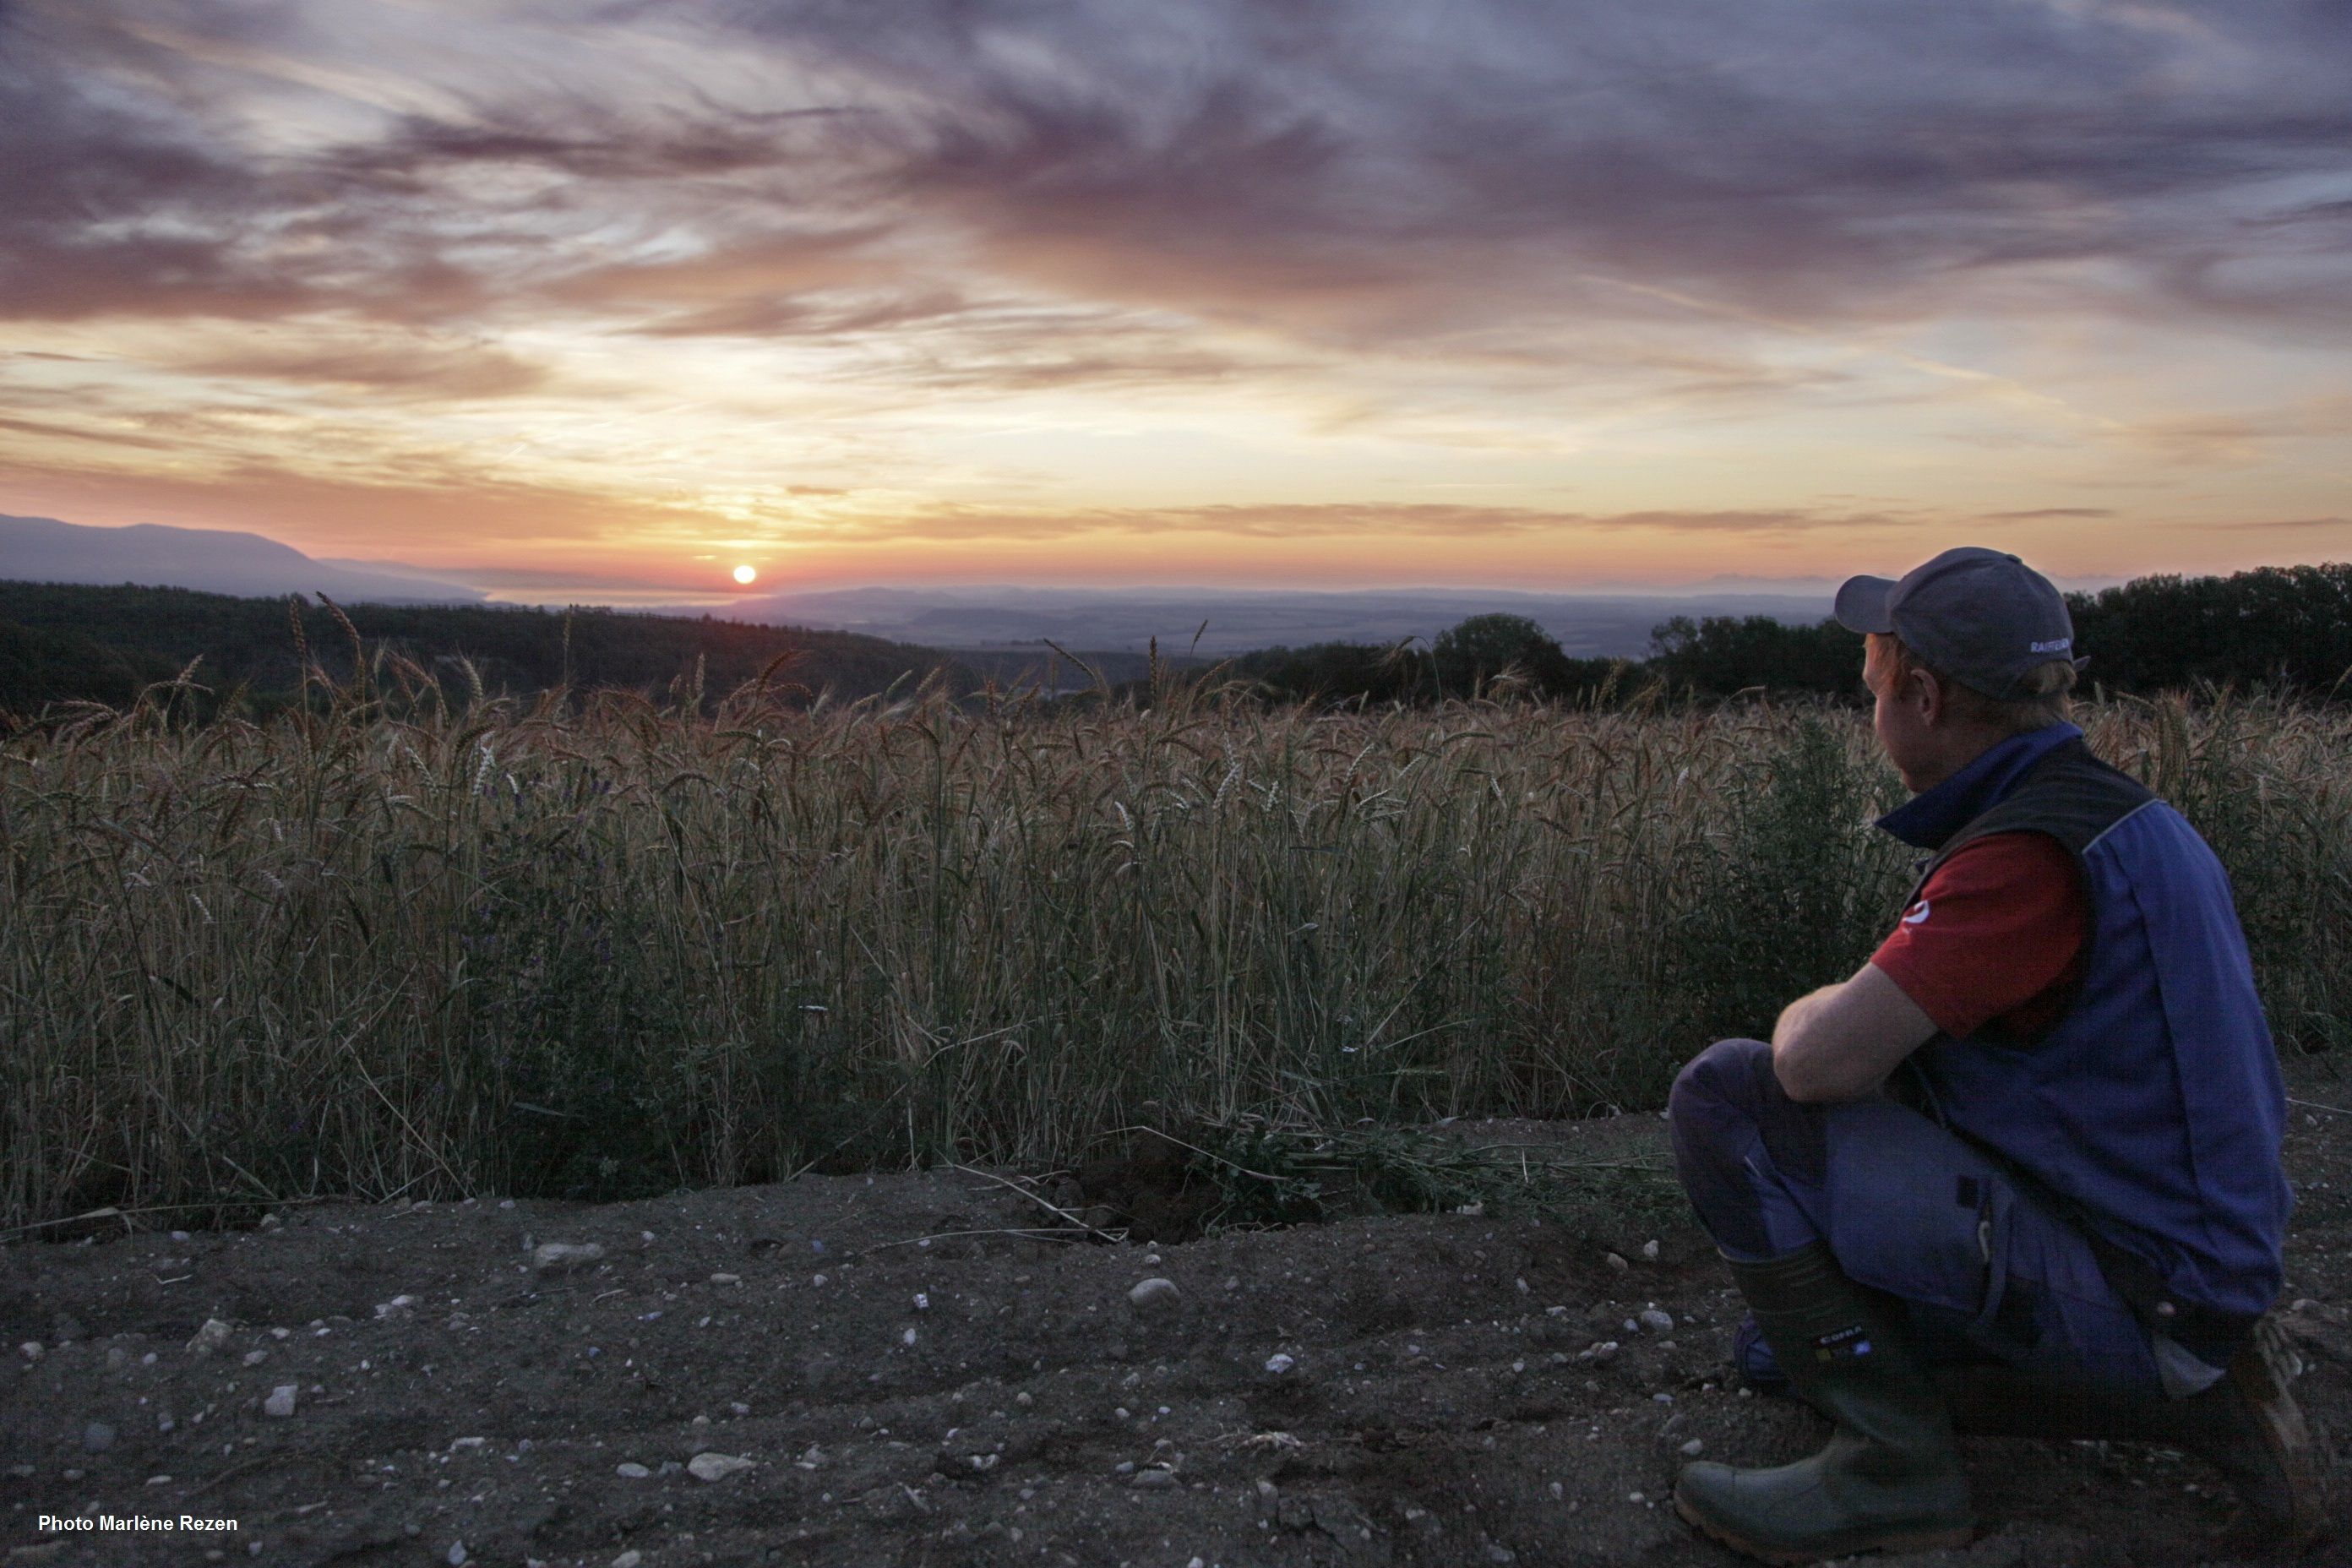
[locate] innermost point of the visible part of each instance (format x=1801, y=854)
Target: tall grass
x=474, y=947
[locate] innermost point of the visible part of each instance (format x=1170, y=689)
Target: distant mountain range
x=995, y=618
x=43, y=550
x=1228, y=621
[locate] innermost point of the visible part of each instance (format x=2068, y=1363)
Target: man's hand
x=1841, y=1042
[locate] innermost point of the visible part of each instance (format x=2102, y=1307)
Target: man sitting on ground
x=2021, y=1172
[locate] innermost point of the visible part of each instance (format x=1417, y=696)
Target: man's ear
x=1930, y=698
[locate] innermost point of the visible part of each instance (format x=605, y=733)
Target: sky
x=577, y=297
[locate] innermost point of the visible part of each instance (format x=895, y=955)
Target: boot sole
x=2269, y=1364
x=1920, y=1539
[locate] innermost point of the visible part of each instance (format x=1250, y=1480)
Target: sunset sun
x=745, y=574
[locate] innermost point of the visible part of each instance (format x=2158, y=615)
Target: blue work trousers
x=1983, y=1272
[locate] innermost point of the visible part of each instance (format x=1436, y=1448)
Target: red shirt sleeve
x=1996, y=934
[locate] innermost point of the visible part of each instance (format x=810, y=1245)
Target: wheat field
x=602, y=948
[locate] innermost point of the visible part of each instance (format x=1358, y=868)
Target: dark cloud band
x=1348, y=174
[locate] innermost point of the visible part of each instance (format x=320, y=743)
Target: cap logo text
x=2061, y=646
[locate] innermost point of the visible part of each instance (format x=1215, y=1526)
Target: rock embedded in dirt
x=716, y=1467
x=210, y=1338
x=1155, y=1296
x=562, y=1257
x=1279, y=1364
x=280, y=1401
x=98, y=1437
x=1618, y=1263
x=632, y=1472
x=1656, y=1321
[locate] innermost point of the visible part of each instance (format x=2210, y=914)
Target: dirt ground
x=871, y=1377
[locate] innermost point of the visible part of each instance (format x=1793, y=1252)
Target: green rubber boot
x=1889, y=1479
x=2247, y=1426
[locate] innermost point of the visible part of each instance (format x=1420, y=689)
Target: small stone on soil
x=716, y=1467
x=1154, y=1295
x=557, y=1256
x=280, y=1401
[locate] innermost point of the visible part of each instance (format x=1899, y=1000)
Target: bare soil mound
x=873, y=1370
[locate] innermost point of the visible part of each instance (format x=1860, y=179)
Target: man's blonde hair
x=2047, y=700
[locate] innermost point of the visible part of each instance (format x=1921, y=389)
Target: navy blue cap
x=1985, y=619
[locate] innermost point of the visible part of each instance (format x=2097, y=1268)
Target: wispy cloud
x=1327, y=522
x=1312, y=166
x=407, y=369
x=1678, y=264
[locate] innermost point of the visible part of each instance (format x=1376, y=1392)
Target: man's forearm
x=1840, y=1042
x=1796, y=1015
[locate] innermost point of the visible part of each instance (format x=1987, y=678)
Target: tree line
x=2288, y=627
x=66, y=643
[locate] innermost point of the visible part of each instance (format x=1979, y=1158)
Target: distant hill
x=1232, y=620
x=43, y=550
x=61, y=642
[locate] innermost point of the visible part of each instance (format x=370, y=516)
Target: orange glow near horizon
x=1193, y=298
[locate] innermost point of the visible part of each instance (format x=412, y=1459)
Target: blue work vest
x=2153, y=1109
